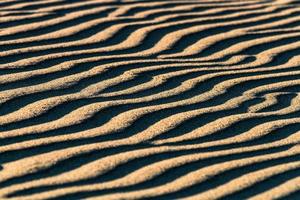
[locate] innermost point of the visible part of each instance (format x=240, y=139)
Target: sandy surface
x=142, y=99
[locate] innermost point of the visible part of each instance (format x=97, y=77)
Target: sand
x=140, y=99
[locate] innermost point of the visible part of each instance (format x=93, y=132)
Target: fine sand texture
x=149, y=99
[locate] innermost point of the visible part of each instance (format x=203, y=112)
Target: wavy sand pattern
x=142, y=99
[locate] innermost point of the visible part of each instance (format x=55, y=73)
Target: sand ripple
x=140, y=99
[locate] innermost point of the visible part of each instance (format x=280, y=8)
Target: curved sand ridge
x=129, y=99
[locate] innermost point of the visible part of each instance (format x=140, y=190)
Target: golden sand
x=140, y=99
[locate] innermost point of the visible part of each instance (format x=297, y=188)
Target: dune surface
x=149, y=99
